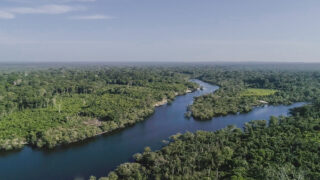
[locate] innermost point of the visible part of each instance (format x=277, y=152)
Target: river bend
x=99, y=155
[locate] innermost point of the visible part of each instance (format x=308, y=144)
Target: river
x=99, y=155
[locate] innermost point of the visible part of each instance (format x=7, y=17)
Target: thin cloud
x=6, y=15
x=92, y=17
x=46, y=9
x=10, y=13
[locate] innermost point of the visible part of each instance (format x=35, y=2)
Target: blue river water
x=99, y=155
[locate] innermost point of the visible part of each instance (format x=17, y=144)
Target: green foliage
x=46, y=108
x=243, y=89
x=287, y=149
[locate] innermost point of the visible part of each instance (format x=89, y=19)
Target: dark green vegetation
x=241, y=89
x=49, y=107
x=284, y=148
x=288, y=148
x=59, y=106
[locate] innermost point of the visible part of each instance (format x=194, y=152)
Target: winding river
x=99, y=155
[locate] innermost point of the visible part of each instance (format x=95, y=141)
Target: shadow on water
x=8, y=153
x=101, y=154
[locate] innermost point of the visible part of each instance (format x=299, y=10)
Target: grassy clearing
x=258, y=92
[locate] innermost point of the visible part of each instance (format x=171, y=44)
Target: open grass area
x=258, y=92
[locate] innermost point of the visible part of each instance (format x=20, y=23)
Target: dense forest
x=284, y=148
x=46, y=107
x=242, y=89
x=281, y=148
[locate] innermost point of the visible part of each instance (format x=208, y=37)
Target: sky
x=159, y=30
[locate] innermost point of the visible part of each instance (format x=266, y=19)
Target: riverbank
x=228, y=99
x=243, y=89
x=262, y=151
x=165, y=100
x=83, y=128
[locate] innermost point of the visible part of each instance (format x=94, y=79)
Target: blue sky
x=159, y=30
